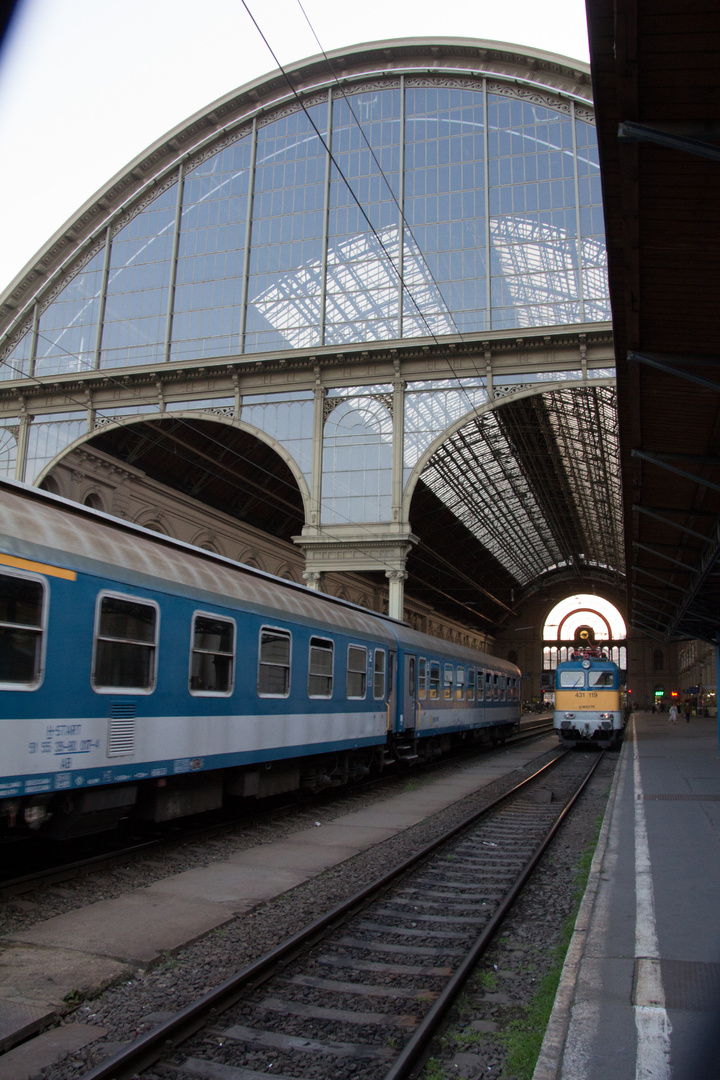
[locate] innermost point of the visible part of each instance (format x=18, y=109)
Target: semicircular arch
x=477, y=411
x=140, y=418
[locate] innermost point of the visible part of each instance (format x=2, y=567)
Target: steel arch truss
x=536, y=480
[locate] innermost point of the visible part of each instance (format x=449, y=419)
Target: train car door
x=409, y=692
x=392, y=721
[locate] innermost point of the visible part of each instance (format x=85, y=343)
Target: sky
x=87, y=85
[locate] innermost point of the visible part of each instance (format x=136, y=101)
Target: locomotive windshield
x=600, y=678
x=572, y=678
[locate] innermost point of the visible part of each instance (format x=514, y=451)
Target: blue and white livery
x=142, y=676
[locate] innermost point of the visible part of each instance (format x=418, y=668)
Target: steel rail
x=428, y=1026
x=146, y=1050
x=53, y=875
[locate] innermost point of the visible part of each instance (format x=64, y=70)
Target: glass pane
x=211, y=253
x=124, y=664
x=274, y=667
x=275, y=648
x=211, y=672
x=67, y=332
x=533, y=218
x=434, y=680
x=19, y=655
x=127, y=620
x=48, y=436
x=20, y=601
x=600, y=678
x=356, y=672
x=444, y=258
x=320, y=668
x=213, y=635
x=363, y=259
x=8, y=449
x=138, y=282
x=379, y=674
x=284, y=289
x=572, y=678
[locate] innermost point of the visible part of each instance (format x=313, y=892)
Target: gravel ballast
x=509, y=977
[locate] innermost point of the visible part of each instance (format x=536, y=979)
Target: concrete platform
x=640, y=992
x=89, y=948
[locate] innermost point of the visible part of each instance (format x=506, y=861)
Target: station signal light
x=673, y=693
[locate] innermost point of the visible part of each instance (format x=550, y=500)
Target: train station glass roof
x=423, y=205
x=391, y=192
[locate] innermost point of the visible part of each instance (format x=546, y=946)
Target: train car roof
x=40, y=526
x=423, y=644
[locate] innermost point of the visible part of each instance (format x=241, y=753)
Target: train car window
x=434, y=679
x=274, y=663
x=448, y=679
x=480, y=684
x=471, y=684
x=22, y=626
x=496, y=688
x=125, y=652
x=411, y=677
x=460, y=684
x=503, y=688
x=356, y=685
x=320, y=668
x=379, y=675
x=572, y=678
x=212, y=655
x=422, y=676
x=600, y=678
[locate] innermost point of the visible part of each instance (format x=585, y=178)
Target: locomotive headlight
x=569, y=715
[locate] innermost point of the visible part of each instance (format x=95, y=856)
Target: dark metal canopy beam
x=662, y=135
x=655, y=459
x=671, y=365
x=672, y=524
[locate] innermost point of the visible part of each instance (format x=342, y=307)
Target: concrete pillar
x=396, y=592
x=22, y=441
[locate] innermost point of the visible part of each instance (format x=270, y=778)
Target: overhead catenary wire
x=382, y=247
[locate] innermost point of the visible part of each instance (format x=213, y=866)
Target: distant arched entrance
x=583, y=609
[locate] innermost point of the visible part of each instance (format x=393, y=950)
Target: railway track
x=360, y=992
x=63, y=865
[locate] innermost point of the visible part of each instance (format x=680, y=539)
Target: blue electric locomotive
x=142, y=676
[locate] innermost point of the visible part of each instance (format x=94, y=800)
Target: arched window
x=94, y=501
x=583, y=610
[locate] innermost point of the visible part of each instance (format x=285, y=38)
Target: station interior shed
x=352, y=324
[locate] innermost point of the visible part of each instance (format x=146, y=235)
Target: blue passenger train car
x=140, y=676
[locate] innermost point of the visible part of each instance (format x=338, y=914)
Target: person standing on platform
x=687, y=712
x=673, y=714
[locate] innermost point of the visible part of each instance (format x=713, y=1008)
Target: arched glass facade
x=409, y=206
